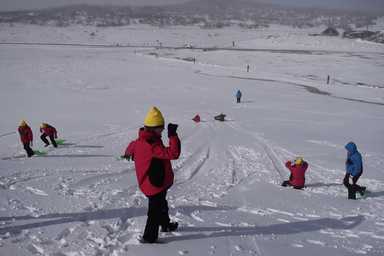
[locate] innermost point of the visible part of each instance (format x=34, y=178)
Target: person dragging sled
x=297, y=177
x=50, y=131
x=26, y=137
x=154, y=171
x=354, y=169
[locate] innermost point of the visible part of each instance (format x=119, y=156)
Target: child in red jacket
x=154, y=171
x=50, y=131
x=26, y=137
x=297, y=177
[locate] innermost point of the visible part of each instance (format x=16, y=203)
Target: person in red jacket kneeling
x=154, y=171
x=50, y=131
x=297, y=177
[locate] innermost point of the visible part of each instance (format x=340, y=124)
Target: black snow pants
x=353, y=188
x=28, y=149
x=43, y=137
x=157, y=216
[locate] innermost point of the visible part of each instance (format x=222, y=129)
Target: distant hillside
x=204, y=13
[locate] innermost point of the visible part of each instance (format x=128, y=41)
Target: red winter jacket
x=147, y=147
x=297, y=178
x=49, y=130
x=26, y=135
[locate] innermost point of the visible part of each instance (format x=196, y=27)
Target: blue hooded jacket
x=238, y=94
x=354, y=163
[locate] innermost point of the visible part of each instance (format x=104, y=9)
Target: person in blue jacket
x=238, y=96
x=354, y=169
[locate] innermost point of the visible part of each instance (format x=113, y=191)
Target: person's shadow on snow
x=60, y=218
x=202, y=232
x=321, y=184
x=374, y=194
x=278, y=229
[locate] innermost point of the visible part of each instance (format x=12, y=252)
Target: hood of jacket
x=351, y=148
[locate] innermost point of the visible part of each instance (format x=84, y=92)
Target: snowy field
x=80, y=200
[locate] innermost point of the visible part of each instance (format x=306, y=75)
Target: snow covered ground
x=80, y=200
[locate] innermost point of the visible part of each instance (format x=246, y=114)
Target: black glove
x=172, y=129
x=127, y=157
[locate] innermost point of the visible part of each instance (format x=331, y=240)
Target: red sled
x=196, y=118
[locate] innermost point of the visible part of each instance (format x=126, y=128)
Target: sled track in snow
x=268, y=150
x=191, y=165
x=7, y=134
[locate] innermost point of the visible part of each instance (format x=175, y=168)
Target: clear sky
x=6, y=5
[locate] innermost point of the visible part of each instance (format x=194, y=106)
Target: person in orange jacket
x=50, y=131
x=26, y=137
x=154, y=171
x=297, y=177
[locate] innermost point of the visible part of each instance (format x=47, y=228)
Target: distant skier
x=26, y=137
x=154, y=171
x=297, y=177
x=247, y=67
x=238, y=96
x=50, y=131
x=354, y=169
x=328, y=79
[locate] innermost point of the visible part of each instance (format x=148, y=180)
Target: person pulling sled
x=48, y=131
x=26, y=137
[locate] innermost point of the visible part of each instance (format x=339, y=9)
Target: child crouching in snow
x=154, y=171
x=297, y=177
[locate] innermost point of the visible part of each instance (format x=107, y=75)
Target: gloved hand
x=127, y=157
x=172, y=129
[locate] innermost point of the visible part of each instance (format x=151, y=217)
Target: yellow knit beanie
x=23, y=123
x=299, y=160
x=154, y=118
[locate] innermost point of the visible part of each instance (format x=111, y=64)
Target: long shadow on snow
x=74, y=145
x=123, y=214
x=280, y=229
x=375, y=194
x=321, y=184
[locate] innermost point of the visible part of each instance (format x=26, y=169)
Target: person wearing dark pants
x=238, y=96
x=43, y=137
x=158, y=216
x=354, y=169
x=154, y=171
x=48, y=131
x=26, y=137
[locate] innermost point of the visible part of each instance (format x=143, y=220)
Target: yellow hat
x=43, y=125
x=23, y=123
x=154, y=118
x=299, y=160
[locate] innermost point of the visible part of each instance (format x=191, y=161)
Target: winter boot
x=351, y=193
x=172, y=226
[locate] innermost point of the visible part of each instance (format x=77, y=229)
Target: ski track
x=256, y=160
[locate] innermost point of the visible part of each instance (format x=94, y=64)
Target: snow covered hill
x=80, y=199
